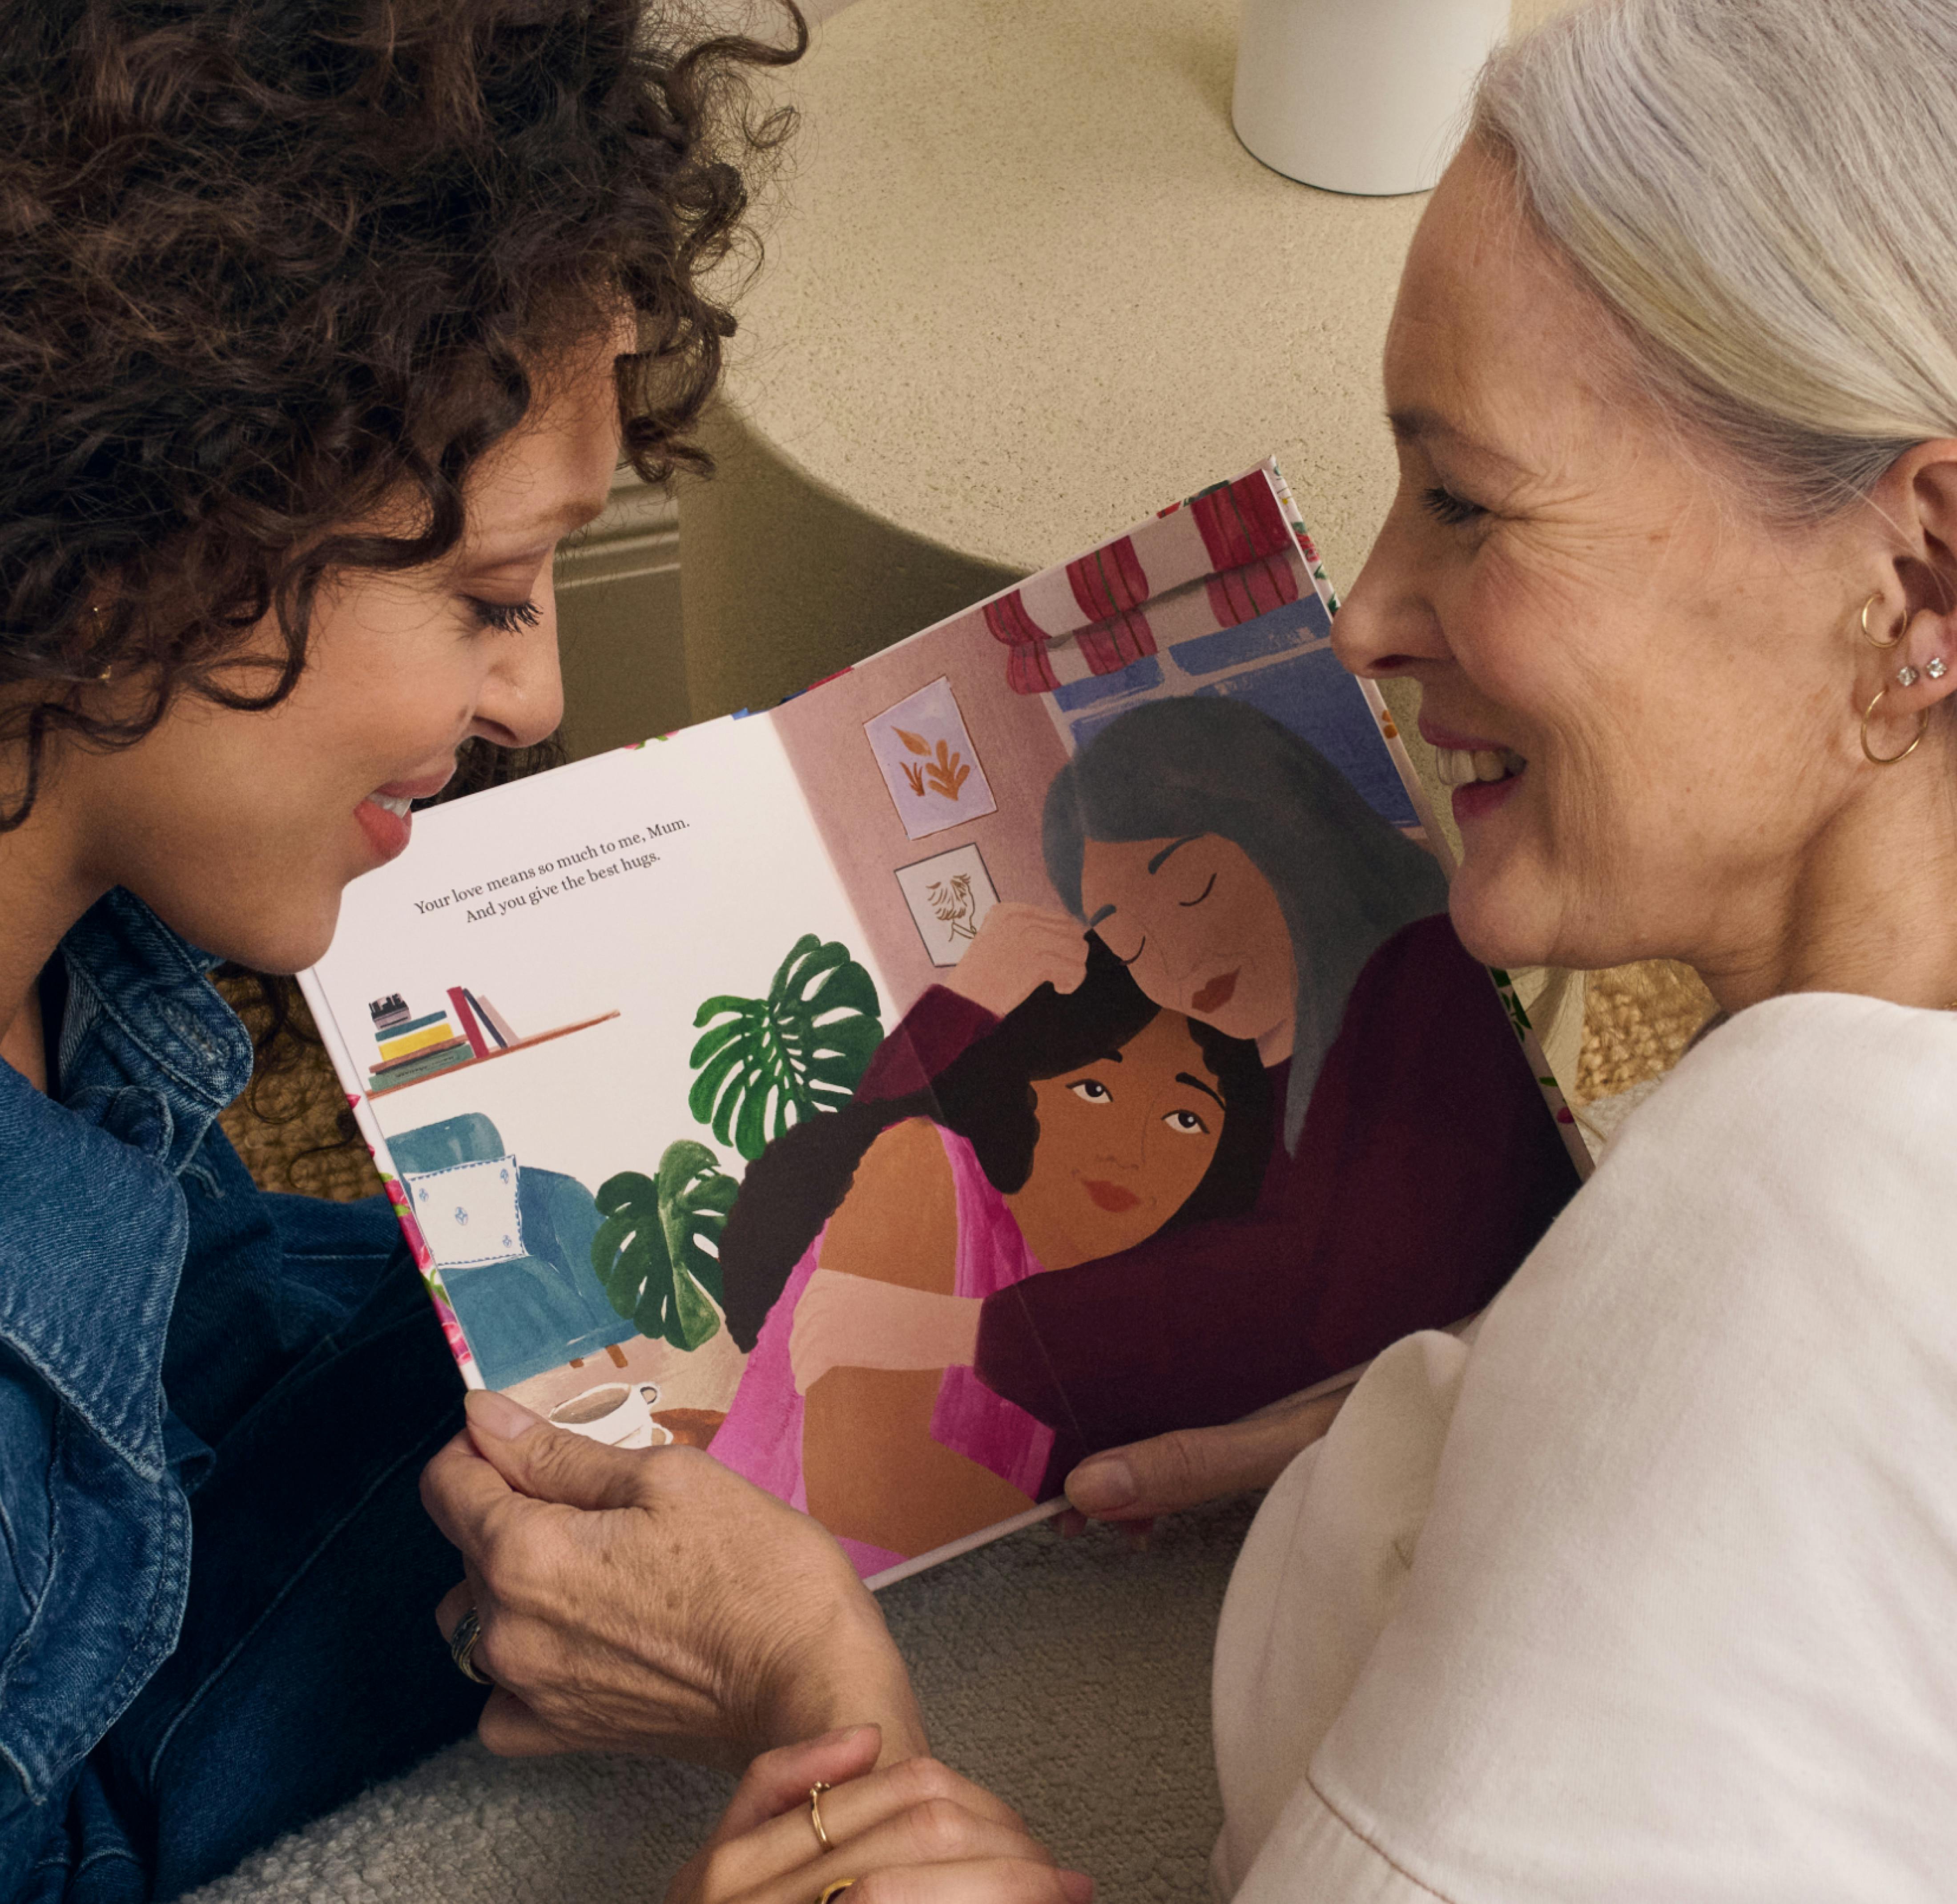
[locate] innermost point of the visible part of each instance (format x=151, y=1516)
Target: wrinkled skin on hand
x=650, y=1600
x=916, y=1833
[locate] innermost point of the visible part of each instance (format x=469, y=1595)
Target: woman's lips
x=387, y=831
x=1481, y=798
x=1112, y=1197
x=1216, y=994
x=383, y=814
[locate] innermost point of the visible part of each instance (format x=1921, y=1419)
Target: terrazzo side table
x=1022, y=286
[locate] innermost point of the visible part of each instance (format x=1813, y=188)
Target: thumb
x=550, y=1463
x=1173, y=1471
x=779, y=1780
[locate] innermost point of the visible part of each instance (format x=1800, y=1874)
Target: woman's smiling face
x=242, y=828
x=1584, y=598
x=1123, y=1141
x=1199, y=930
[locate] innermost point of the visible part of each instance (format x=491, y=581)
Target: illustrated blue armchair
x=531, y=1312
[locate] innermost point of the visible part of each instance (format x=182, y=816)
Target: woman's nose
x=522, y=700
x=1387, y=624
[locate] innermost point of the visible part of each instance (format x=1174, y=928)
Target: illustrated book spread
x=1045, y=1032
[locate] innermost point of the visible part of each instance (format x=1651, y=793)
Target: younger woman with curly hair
x=321, y=321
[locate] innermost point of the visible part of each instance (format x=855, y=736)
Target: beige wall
x=1018, y=748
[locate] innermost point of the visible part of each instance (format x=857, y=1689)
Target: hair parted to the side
x=985, y=1095
x=266, y=265
x=1764, y=194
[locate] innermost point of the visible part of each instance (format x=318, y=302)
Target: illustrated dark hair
x=986, y=1096
x=266, y=265
x=1346, y=879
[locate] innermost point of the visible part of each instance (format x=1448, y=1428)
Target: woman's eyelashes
x=1445, y=507
x=506, y=618
x=1201, y=896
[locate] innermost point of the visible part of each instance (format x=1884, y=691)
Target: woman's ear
x=1917, y=635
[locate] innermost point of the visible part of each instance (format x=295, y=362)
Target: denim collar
x=92, y=1222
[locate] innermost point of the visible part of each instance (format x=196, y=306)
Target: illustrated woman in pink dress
x=1086, y=1122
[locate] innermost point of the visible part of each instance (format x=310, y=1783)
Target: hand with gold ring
x=813, y=1821
x=629, y=1600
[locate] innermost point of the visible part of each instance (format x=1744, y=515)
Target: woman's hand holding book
x=650, y=1600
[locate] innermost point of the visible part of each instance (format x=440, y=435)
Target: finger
x=779, y=1781
x=852, y=1809
x=550, y=1463
x=1173, y=1471
x=453, y=1604
x=1071, y=1522
x=941, y=1832
x=989, y=1881
x=512, y=1730
x=920, y=1809
x=462, y=1493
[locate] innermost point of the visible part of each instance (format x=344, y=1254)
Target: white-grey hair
x=1764, y=194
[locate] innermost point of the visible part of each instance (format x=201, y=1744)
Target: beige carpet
x=1071, y=1677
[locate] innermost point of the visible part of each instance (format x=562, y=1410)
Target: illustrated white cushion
x=468, y=1212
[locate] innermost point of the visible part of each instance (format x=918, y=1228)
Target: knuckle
x=1178, y=1458
x=940, y=1828
x=920, y=1781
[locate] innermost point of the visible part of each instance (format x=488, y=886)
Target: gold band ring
x=815, y=1792
x=1890, y=759
x=462, y=1648
x=835, y=1890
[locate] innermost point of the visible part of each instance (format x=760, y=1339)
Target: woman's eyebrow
x=1416, y=423
x=1174, y=845
x=1183, y=1077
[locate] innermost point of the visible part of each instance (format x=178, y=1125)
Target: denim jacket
x=95, y=1231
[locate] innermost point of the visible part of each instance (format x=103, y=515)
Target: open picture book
x=1046, y=1031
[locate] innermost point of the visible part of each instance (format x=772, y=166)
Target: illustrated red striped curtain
x=1245, y=543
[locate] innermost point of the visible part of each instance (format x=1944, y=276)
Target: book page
x=519, y=999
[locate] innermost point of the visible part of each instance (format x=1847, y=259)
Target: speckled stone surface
x=1022, y=286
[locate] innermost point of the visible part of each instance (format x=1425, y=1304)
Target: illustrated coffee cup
x=619, y=1414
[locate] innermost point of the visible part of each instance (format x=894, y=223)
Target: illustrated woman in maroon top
x=1414, y=1164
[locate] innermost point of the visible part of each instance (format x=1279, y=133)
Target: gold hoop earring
x=1890, y=759
x=1874, y=640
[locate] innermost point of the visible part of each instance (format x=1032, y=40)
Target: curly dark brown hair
x=265, y=264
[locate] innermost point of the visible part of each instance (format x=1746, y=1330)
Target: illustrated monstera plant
x=651, y=1252
x=764, y=1063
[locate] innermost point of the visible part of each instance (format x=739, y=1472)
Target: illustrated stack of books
x=412, y=1048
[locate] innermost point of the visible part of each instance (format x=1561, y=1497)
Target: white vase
x=1360, y=96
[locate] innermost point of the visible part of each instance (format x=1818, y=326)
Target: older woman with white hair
x=1645, y=1592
